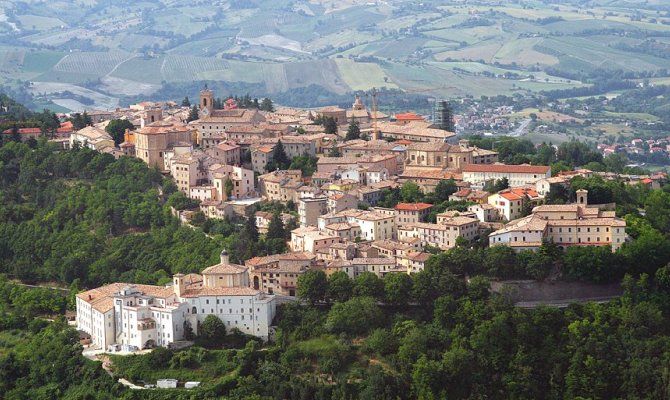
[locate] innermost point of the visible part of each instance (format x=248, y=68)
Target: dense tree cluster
x=81, y=215
x=117, y=129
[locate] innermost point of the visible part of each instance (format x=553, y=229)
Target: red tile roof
x=413, y=206
x=24, y=131
x=408, y=116
x=523, y=168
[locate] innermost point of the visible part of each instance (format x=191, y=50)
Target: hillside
x=114, y=52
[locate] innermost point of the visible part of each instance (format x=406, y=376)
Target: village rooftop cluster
x=225, y=160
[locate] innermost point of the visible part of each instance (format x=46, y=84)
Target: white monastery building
x=145, y=316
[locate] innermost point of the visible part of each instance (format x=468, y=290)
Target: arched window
x=194, y=310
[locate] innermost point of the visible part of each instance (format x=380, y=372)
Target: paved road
x=521, y=130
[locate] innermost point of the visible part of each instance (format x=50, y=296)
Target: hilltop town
x=218, y=238
x=353, y=190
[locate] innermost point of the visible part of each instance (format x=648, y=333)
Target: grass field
x=180, y=24
x=522, y=51
x=41, y=61
x=91, y=63
x=39, y=23
x=363, y=76
x=556, y=138
x=577, y=51
x=545, y=115
x=644, y=117
x=340, y=39
x=456, y=49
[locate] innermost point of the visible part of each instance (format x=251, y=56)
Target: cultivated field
x=438, y=48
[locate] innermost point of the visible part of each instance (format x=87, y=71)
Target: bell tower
x=582, y=197
x=206, y=101
x=178, y=284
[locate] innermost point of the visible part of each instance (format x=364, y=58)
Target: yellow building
x=566, y=225
x=152, y=141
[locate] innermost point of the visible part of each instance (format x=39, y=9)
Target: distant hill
x=110, y=52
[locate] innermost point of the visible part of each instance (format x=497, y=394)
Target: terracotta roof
x=341, y=226
x=162, y=127
x=101, y=299
x=505, y=168
x=388, y=244
x=223, y=146
x=529, y=223
x=510, y=196
x=408, y=116
x=24, y=131
x=617, y=222
x=225, y=269
x=294, y=256
x=419, y=256
x=413, y=206
x=373, y=261
x=331, y=109
x=429, y=173
x=429, y=146
x=220, y=291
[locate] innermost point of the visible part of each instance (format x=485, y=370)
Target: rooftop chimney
x=224, y=257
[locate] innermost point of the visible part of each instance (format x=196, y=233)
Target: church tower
x=582, y=197
x=206, y=101
x=358, y=104
x=178, y=284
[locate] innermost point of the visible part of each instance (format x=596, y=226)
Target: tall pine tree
x=354, y=131
x=279, y=158
x=193, y=114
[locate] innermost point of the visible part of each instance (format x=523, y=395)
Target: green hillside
x=441, y=48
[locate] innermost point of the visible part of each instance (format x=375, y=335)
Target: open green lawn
x=40, y=60
x=633, y=116
x=363, y=76
x=39, y=23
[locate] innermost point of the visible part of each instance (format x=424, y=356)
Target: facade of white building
x=517, y=175
x=144, y=316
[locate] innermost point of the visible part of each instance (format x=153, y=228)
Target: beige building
x=360, y=114
x=310, y=239
x=517, y=175
x=92, y=137
x=442, y=235
x=242, y=180
x=376, y=226
x=263, y=219
x=413, y=261
x=447, y=156
x=280, y=185
x=225, y=274
x=154, y=140
x=408, y=213
x=414, y=131
x=227, y=153
x=310, y=209
x=376, y=162
x=566, y=225
x=510, y=203
x=294, y=146
x=190, y=169
x=212, y=128
x=279, y=273
x=334, y=112
x=341, y=201
x=261, y=155
x=345, y=231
